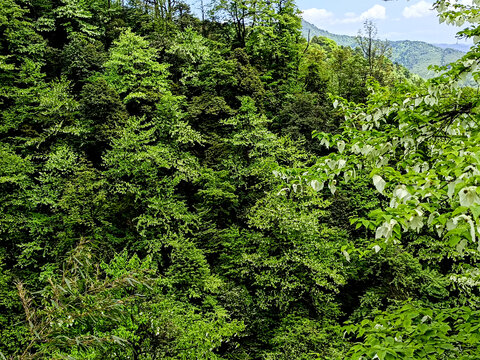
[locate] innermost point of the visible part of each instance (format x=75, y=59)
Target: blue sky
x=395, y=20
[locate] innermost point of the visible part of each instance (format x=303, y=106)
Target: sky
x=395, y=20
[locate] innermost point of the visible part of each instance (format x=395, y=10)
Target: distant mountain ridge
x=464, y=47
x=416, y=56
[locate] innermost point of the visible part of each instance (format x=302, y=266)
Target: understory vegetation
x=222, y=188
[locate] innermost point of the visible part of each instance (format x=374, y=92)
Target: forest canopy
x=175, y=186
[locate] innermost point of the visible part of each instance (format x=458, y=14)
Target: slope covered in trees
x=416, y=56
x=162, y=196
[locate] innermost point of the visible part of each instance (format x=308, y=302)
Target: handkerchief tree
x=420, y=147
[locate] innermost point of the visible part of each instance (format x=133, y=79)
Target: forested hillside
x=416, y=56
x=220, y=188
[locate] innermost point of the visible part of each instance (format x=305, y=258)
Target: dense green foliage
x=162, y=196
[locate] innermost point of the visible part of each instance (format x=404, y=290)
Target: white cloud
x=418, y=10
x=318, y=16
x=323, y=16
x=377, y=12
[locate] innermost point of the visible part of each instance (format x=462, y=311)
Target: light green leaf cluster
x=133, y=71
x=412, y=331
